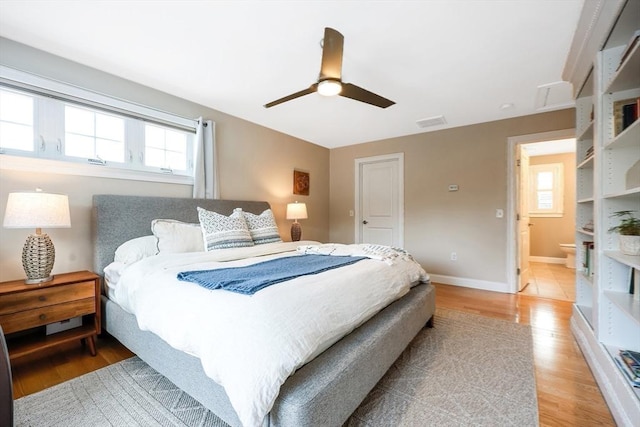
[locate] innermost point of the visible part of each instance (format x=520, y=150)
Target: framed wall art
x=301, y=183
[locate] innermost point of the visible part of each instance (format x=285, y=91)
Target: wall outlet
x=454, y=256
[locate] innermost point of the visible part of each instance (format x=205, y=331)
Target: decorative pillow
x=176, y=236
x=135, y=249
x=263, y=228
x=221, y=232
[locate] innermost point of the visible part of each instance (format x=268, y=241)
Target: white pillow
x=221, y=232
x=263, y=228
x=176, y=236
x=135, y=249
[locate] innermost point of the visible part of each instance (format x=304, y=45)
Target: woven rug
x=466, y=371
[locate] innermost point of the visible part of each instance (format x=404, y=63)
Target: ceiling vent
x=431, y=121
x=554, y=96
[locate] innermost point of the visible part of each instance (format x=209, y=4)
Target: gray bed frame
x=324, y=392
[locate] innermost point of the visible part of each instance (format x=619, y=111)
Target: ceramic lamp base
x=296, y=232
x=38, y=255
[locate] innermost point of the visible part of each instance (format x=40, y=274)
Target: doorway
x=379, y=194
x=538, y=223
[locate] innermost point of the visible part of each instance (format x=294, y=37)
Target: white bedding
x=251, y=344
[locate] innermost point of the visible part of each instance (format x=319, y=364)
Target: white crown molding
x=594, y=26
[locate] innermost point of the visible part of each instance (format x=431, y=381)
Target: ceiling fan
x=330, y=80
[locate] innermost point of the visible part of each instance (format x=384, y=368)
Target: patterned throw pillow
x=262, y=227
x=221, y=232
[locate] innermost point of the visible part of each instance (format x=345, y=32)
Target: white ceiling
x=546, y=148
x=464, y=59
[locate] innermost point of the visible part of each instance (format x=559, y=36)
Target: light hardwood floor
x=567, y=392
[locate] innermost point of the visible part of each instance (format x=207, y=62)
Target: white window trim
x=37, y=165
x=30, y=162
x=558, y=190
x=68, y=91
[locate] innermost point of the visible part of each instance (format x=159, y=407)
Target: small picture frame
x=300, y=183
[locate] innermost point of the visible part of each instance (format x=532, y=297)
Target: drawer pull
x=42, y=316
x=42, y=298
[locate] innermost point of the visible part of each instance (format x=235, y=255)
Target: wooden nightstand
x=68, y=295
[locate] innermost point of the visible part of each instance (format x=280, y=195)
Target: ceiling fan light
x=329, y=87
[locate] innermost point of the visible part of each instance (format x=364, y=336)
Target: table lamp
x=37, y=210
x=296, y=211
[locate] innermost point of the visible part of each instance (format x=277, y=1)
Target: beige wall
x=548, y=233
x=438, y=222
x=256, y=163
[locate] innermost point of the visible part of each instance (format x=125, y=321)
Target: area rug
x=468, y=370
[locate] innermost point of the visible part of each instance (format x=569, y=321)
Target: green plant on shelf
x=629, y=225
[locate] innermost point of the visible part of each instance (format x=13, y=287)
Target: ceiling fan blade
x=331, y=67
x=307, y=91
x=359, y=94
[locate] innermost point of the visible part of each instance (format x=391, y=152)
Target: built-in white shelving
x=607, y=316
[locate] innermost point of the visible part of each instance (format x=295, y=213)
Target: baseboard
x=471, y=283
x=548, y=260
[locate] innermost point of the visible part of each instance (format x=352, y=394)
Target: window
x=165, y=148
x=16, y=121
x=90, y=135
x=47, y=125
x=546, y=184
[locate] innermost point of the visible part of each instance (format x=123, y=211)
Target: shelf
x=628, y=75
x=585, y=232
x=587, y=133
x=587, y=313
x=613, y=353
x=630, y=260
x=585, y=200
x=626, y=303
x=32, y=343
x=587, y=163
x=623, y=194
x=627, y=138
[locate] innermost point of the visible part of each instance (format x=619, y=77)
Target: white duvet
x=251, y=344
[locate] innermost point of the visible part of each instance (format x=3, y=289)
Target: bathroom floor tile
x=554, y=281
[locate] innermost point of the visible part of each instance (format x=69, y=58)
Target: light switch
x=499, y=213
x=453, y=187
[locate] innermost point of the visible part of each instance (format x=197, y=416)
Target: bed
x=323, y=391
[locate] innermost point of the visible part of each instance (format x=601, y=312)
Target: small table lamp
x=296, y=211
x=37, y=210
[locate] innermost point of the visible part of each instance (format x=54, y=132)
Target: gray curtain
x=205, y=183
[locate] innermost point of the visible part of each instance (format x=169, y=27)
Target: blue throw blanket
x=250, y=279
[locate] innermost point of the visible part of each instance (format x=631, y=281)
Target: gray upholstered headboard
x=116, y=219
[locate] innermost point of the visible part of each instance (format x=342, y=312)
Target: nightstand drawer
x=49, y=314
x=36, y=298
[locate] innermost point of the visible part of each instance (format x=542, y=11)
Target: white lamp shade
x=296, y=211
x=37, y=210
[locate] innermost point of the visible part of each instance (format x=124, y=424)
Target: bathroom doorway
x=550, y=216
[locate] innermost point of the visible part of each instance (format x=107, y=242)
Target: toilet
x=570, y=250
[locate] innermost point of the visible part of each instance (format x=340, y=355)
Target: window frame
x=52, y=96
x=557, y=170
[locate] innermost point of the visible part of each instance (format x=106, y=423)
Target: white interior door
x=379, y=193
x=524, y=239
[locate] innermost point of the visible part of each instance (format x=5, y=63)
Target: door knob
x=365, y=222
